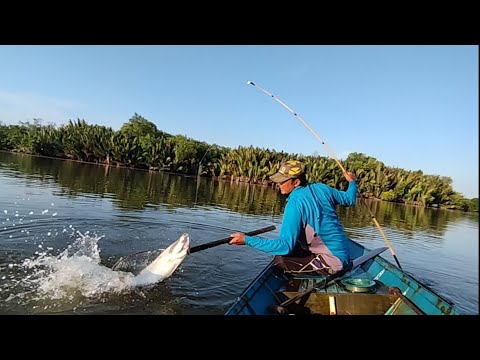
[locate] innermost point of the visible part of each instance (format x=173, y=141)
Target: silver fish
x=165, y=264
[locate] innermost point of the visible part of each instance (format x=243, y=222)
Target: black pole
x=226, y=240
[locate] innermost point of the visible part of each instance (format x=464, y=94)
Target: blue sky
x=413, y=107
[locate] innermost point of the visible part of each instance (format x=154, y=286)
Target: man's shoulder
x=318, y=185
x=308, y=190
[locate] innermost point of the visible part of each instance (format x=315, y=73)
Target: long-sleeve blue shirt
x=313, y=204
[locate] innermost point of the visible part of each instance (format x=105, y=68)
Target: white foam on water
x=67, y=278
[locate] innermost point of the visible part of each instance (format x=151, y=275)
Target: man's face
x=287, y=186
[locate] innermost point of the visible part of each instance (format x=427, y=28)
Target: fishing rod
x=333, y=157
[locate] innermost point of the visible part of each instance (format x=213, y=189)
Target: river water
x=63, y=224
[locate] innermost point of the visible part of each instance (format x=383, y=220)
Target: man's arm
x=289, y=233
x=349, y=197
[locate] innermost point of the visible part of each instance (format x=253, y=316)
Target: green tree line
x=140, y=144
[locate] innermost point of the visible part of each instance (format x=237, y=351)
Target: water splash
x=65, y=280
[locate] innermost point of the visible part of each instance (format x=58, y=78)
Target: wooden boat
x=370, y=285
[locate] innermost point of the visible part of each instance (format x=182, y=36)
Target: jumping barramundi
x=165, y=264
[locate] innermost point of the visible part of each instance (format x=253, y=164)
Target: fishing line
x=198, y=174
x=334, y=158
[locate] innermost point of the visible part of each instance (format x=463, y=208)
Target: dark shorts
x=310, y=264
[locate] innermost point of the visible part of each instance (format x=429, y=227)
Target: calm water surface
x=64, y=224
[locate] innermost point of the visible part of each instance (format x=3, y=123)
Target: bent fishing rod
x=333, y=157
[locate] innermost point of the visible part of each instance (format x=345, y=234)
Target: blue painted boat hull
x=394, y=292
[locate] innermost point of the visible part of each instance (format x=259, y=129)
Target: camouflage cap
x=290, y=169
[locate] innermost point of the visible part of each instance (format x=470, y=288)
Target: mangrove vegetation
x=140, y=144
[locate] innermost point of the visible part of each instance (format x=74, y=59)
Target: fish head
x=178, y=249
x=166, y=263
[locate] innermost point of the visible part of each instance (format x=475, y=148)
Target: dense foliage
x=140, y=144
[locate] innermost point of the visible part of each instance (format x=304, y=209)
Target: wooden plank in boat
x=348, y=304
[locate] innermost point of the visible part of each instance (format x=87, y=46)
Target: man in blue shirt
x=311, y=237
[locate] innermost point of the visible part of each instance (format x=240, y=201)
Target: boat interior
x=356, y=294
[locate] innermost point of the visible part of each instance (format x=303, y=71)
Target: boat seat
x=300, y=282
x=308, y=277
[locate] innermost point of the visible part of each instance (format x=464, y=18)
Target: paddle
x=281, y=309
x=131, y=259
